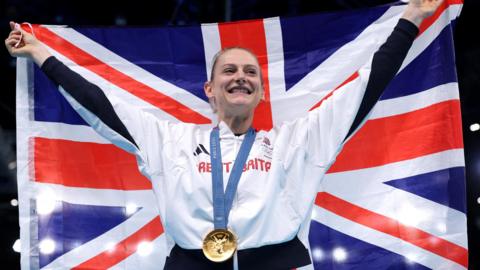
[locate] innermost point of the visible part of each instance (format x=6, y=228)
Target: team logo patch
x=267, y=148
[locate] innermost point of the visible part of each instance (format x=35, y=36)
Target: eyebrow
x=247, y=65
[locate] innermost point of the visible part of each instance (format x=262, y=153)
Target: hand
x=20, y=43
x=418, y=10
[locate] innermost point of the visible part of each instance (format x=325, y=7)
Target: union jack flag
x=394, y=198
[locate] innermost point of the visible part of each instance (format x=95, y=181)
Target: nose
x=240, y=77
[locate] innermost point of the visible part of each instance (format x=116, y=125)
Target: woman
x=259, y=218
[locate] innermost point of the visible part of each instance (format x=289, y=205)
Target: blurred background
x=188, y=12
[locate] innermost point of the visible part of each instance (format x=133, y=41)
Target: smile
x=240, y=89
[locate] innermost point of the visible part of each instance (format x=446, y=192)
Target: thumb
x=20, y=28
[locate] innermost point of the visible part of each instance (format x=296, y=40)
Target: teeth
x=240, y=90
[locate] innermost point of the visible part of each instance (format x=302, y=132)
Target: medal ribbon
x=222, y=202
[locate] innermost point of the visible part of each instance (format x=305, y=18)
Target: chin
x=241, y=101
x=241, y=107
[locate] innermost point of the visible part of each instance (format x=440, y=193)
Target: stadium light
x=130, y=208
x=12, y=165
x=46, y=246
x=17, y=246
x=339, y=254
x=110, y=246
x=46, y=202
x=411, y=258
x=145, y=248
x=412, y=216
x=14, y=202
x=474, y=127
x=318, y=254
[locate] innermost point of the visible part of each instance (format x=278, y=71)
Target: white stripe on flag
x=92, y=196
x=130, y=69
x=382, y=240
x=276, y=76
x=96, y=246
x=211, y=44
x=62, y=131
x=24, y=116
x=113, y=90
x=405, y=104
x=366, y=189
x=152, y=261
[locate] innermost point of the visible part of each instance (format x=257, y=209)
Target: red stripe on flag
x=86, y=165
x=129, y=84
x=251, y=35
x=125, y=248
x=392, y=227
x=395, y=138
x=349, y=79
x=430, y=20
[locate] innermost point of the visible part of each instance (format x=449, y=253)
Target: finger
x=12, y=40
x=14, y=37
x=11, y=46
x=12, y=25
x=14, y=34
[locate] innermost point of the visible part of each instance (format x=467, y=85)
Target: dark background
x=181, y=12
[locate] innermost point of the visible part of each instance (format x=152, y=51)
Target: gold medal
x=219, y=245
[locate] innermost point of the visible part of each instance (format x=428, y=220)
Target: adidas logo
x=200, y=149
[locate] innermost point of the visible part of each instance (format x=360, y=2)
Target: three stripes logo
x=200, y=149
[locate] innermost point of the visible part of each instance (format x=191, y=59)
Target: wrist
x=39, y=55
x=413, y=15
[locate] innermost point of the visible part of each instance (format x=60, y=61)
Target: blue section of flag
x=440, y=68
x=445, y=187
x=176, y=55
x=310, y=40
x=72, y=225
x=49, y=104
x=358, y=254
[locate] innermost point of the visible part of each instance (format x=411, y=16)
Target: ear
x=207, y=87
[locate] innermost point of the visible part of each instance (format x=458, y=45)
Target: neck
x=238, y=124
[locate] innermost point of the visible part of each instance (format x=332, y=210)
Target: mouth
x=240, y=89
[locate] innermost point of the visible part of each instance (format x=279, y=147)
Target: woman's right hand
x=20, y=43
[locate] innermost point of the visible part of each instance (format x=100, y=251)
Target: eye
x=251, y=71
x=229, y=70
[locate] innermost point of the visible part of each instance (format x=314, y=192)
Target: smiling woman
x=209, y=224
x=235, y=87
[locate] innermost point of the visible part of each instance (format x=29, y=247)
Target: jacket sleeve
x=323, y=132
x=122, y=124
x=90, y=96
x=385, y=64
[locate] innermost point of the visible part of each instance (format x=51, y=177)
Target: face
x=236, y=88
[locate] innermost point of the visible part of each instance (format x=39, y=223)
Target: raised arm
x=22, y=44
x=389, y=57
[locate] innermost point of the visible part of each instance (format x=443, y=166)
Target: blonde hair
x=226, y=49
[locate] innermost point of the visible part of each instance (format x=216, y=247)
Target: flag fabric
x=394, y=198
